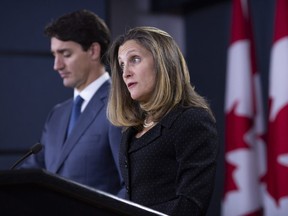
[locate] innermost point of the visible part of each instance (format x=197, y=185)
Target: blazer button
x=127, y=189
x=126, y=164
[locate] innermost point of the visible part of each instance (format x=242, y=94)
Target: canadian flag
x=244, y=143
x=276, y=193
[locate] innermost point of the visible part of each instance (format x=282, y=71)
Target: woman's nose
x=126, y=72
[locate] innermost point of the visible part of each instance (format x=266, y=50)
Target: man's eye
x=66, y=54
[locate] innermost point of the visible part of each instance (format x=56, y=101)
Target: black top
x=171, y=168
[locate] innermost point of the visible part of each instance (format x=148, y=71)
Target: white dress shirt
x=91, y=89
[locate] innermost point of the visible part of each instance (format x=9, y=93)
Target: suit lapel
x=94, y=107
x=65, y=123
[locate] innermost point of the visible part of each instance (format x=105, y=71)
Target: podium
x=38, y=192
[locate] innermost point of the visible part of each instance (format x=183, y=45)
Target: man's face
x=72, y=63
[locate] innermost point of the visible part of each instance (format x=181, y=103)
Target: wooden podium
x=38, y=192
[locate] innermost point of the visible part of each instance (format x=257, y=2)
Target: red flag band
x=244, y=143
x=276, y=193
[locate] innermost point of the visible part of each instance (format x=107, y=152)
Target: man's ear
x=95, y=51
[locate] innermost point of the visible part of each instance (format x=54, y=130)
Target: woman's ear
x=95, y=51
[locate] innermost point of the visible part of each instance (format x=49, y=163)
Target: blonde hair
x=172, y=80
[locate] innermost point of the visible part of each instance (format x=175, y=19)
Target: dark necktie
x=76, y=111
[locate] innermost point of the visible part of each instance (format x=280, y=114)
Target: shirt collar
x=88, y=92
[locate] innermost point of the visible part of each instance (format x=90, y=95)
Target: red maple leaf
x=277, y=145
x=236, y=127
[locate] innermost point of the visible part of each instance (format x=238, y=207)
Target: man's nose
x=58, y=64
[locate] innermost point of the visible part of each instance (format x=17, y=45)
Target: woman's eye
x=136, y=59
x=121, y=67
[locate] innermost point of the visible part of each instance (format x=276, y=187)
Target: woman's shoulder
x=194, y=114
x=196, y=117
x=187, y=114
x=192, y=111
x=197, y=111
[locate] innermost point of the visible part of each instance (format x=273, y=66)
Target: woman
x=169, y=144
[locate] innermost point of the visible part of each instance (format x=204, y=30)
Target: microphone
x=33, y=150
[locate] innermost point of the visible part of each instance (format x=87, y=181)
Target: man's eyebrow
x=59, y=50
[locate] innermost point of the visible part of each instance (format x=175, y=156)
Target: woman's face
x=138, y=69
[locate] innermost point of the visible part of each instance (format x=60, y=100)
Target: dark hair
x=83, y=27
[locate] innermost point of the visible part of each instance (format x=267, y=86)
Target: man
x=88, y=152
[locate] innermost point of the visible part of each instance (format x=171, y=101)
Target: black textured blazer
x=171, y=168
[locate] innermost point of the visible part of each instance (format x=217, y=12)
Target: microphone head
x=33, y=150
x=36, y=148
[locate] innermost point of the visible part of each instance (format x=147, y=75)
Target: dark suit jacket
x=90, y=154
x=171, y=168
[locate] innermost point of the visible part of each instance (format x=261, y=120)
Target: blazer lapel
x=157, y=130
x=146, y=139
x=126, y=139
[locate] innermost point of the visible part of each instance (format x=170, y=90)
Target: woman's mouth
x=131, y=85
